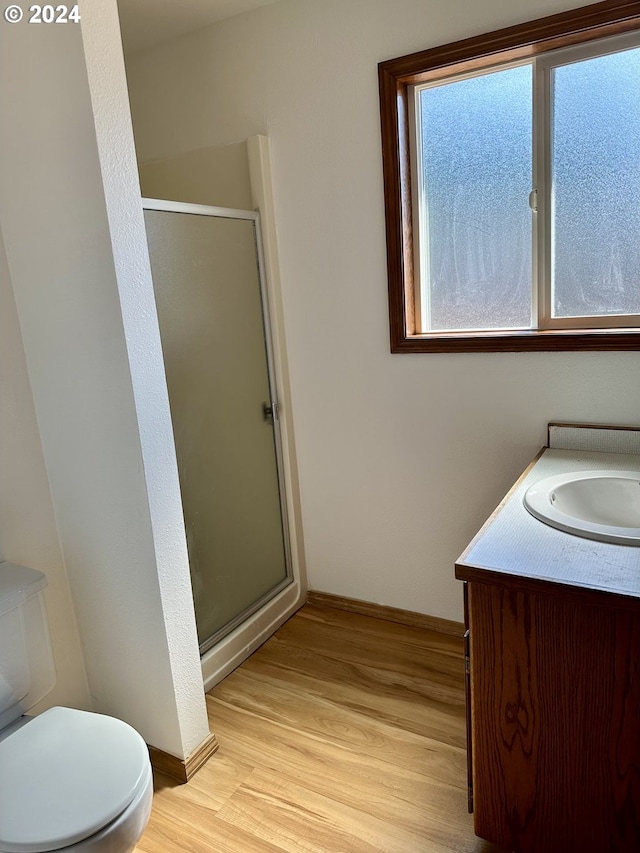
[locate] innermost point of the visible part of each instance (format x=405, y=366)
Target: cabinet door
x=556, y=743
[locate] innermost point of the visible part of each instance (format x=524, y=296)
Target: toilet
x=70, y=780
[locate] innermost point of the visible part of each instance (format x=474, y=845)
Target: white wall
x=28, y=532
x=401, y=457
x=76, y=251
x=214, y=176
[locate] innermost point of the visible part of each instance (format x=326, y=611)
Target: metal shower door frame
x=251, y=216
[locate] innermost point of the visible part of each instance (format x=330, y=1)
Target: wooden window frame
x=396, y=76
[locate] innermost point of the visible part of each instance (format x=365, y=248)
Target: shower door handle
x=270, y=411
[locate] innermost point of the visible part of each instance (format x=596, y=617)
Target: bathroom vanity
x=553, y=676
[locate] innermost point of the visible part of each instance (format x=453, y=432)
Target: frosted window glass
x=596, y=186
x=476, y=161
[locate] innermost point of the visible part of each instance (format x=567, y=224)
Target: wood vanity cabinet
x=553, y=714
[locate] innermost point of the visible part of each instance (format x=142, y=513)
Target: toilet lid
x=65, y=775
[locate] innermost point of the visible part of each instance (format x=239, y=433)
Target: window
x=512, y=187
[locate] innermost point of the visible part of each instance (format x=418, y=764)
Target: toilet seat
x=64, y=776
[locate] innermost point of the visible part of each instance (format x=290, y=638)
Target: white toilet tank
x=27, y=671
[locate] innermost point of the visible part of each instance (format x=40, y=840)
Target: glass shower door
x=216, y=346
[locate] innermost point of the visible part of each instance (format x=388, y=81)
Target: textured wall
x=28, y=531
x=400, y=457
x=74, y=234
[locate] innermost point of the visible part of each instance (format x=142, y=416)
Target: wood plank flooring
x=342, y=734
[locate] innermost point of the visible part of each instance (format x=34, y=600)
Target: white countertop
x=515, y=543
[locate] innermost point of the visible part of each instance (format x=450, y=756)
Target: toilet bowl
x=70, y=781
x=73, y=781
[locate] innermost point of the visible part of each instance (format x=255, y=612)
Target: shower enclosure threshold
x=241, y=617
x=236, y=646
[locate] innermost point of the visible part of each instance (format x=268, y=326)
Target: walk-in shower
x=213, y=311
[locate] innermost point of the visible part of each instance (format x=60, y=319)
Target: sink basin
x=602, y=505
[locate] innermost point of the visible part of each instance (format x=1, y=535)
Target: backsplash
x=604, y=439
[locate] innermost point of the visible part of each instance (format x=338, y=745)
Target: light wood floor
x=342, y=734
